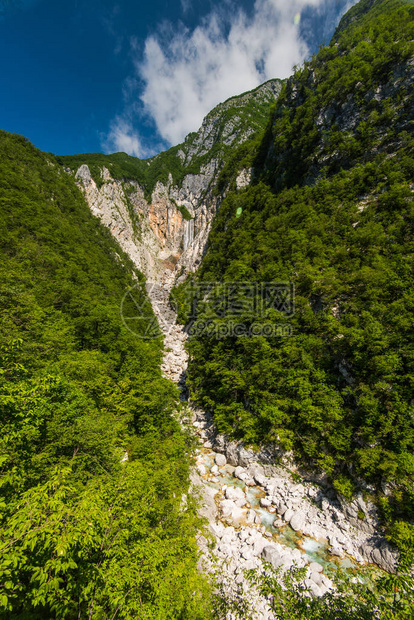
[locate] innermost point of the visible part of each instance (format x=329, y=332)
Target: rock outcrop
x=169, y=229
x=250, y=502
x=124, y=212
x=155, y=235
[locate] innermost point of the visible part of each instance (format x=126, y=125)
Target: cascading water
x=243, y=534
x=188, y=233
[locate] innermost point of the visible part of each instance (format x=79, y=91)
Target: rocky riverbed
x=257, y=510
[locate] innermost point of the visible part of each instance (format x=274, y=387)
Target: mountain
x=329, y=210
x=93, y=465
x=317, y=195
x=157, y=205
x=286, y=225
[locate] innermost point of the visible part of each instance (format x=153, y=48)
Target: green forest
x=93, y=464
x=330, y=211
x=97, y=520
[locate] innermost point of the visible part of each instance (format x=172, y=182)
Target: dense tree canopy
x=93, y=463
x=95, y=517
x=330, y=211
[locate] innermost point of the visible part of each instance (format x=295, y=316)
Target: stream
x=251, y=512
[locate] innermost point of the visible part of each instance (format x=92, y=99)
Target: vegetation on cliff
x=95, y=520
x=331, y=211
x=93, y=464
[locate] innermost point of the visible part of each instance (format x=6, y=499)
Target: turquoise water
x=315, y=550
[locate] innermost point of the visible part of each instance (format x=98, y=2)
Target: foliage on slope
x=224, y=128
x=351, y=101
x=333, y=214
x=389, y=597
x=83, y=532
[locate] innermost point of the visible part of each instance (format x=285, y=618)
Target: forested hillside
x=97, y=518
x=93, y=464
x=227, y=126
x=331, y=211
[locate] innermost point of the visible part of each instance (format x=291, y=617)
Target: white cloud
x=186, y=73
x=182, y=74
x=123, y=137
x=185, y=5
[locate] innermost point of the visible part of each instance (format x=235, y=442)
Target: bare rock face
x=84, y=175
x=384, y=557
x=165, y=220
x=169, y=230
x=243, y=179
x=155, y=235
x=362, y=514
x=123, y=215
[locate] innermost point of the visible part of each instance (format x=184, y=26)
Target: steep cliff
x=161, y=210
x=329, y=210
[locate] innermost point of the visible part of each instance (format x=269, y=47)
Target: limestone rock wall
x=124, y=214
x=155, y=235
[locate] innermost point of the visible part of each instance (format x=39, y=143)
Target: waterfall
x=188, y=233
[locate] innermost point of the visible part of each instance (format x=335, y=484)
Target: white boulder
x=220, y=460
x=234, y=493
x=298, y=521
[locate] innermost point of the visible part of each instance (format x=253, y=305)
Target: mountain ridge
x=260, y=96
x=158, y=205
x=329, y=209
x=307, y=429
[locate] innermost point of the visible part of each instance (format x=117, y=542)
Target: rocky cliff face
x=169, y=228
x=231, y=123
x=154, y=234
x=164, y=226
x=124, y=213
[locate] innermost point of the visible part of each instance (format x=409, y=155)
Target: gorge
x=124, y=427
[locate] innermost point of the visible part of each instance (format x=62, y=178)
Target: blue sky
x=108, y=75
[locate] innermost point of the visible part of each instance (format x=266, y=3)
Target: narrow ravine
x=257, y=511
